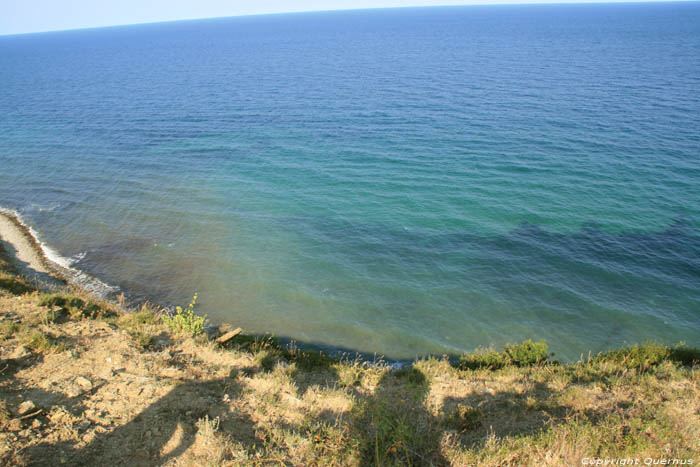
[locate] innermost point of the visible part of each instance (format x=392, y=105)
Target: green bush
x=53, y=300
x=685, y=355
x=73, y=306
x=525, y=354
x=142, y=326
x=8, y=329
x=15, y=285
x=483, y=358
x=647, y=355
x=37, y=341
x=184, y=321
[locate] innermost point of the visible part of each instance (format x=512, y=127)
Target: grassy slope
x=110, y=388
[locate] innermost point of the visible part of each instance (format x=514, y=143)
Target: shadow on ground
x=391, y=425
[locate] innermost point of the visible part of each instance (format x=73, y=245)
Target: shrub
x=647, y=355
x=37, y=341
x=483, y=358
x=15, y=285
x=72, y=305
x=525, y=354
x=685, y=355
x=8, y=328
x=184, y=321
x=142, y=326
x=349, y=375
x=53, y=300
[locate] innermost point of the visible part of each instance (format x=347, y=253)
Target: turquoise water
x=394, y=181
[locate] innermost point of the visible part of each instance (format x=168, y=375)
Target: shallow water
x=395, y=181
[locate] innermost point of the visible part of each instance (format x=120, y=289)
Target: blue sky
x=20, y=16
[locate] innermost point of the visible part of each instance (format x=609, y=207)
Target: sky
x=22, y=16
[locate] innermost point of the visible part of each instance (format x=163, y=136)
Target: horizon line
x=482, y=3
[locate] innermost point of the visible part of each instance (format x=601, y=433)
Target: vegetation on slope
x=81, y=384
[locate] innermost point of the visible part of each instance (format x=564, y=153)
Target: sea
x=396, y=182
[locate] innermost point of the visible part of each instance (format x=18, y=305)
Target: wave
x=61, y=265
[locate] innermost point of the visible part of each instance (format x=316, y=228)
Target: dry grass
x=111, y=388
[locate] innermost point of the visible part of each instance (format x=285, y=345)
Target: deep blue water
x=403, y=181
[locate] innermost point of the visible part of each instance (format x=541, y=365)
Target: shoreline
x=81, y=379
x=37, y=261
x=26, y=250
x=29, y=254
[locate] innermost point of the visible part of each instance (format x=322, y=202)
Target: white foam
x=9, y=212
x=50, y=254
x=40, y=208
x=79, y=257
x=65, y=265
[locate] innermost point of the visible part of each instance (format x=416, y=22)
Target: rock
x=26, y=407
x=19, y=352
x=161, y=342
x=84, y=383
x=83, y=426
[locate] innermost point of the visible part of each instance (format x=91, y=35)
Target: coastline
x=38, y=262
x=81, y=380
x=29, y=255
x=26, y=251
x=52, y=272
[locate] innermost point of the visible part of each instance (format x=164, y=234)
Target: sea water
x=400, y=182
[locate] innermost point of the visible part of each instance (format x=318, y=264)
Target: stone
x=83, y=426
x=26, y=407
x=19, y=352
x=84, y=383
